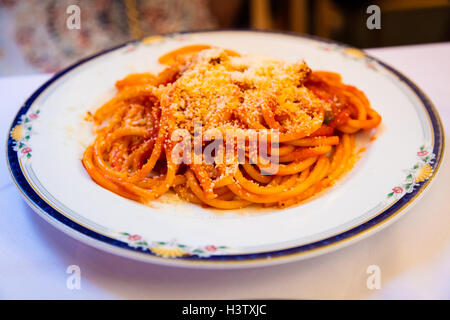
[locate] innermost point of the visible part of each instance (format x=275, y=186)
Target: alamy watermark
x=374, y=280
x=374, y=20
x=73, y=282
x=73, y=21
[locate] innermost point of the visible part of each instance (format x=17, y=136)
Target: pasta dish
x=226, y=130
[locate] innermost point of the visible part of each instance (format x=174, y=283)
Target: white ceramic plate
x=49, y=135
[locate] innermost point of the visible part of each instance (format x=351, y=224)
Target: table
x=413, y=254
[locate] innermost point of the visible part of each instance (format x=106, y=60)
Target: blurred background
x=34, y=36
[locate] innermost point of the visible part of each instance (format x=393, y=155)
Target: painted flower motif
x=21, y=134
x=397, y=190
x=130, y=48
x=152, y=39
x=355, y=52
x=210, y=248
x=179, y=37
x=420, y=172
x=17, y=132
x=422, y=153
x=169, y=252
x=170, y=249
x=424, y=173
x=371, y=66
x=26, y=150
x=134, y=237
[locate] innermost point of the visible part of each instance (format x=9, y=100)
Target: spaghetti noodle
x=311, y=114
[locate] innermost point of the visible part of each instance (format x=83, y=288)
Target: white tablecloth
x=413, y=254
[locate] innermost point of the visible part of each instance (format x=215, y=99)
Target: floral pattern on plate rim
x=421, y=171
x=352, y=53
x=21, y=134
x=170, y=249
x=152, y=40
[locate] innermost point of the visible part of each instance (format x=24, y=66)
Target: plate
x=49, y=134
